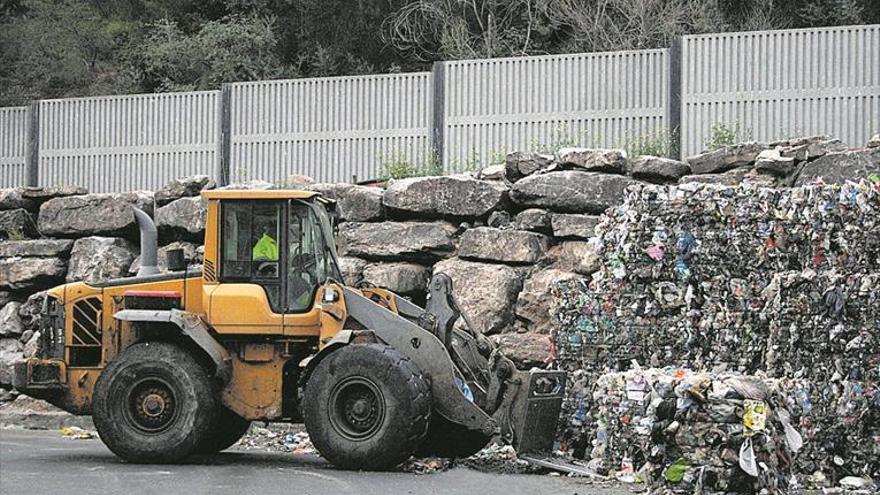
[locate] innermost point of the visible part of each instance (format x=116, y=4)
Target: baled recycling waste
x=780, y=285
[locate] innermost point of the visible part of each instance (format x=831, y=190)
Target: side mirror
x=175, y=260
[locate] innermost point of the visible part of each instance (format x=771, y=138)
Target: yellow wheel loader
x=179, y=363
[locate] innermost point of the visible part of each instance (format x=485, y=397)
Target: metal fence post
x=32, y=153
x=438, y=126
x=225, y=152
x=674, y=111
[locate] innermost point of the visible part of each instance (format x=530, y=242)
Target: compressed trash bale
x=783, y=282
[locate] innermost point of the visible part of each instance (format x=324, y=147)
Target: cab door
x=306, y=252
x=249, y=297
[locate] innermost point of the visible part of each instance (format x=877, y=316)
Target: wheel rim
x=151, y=406
x=357, y=408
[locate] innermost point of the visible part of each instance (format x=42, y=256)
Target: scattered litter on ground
x=277, y=438
x=76, y=433
x=427, y=465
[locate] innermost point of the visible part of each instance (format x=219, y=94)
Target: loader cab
x=266, y=255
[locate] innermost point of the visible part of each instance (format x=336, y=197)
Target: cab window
x=251, y=241
x=308, y=258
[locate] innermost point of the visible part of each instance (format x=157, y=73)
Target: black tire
x=447, y=439
x=154, y=404
x=227, y=429
x=367, y=407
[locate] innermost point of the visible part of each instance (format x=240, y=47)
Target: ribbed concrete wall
x=596, y=99
x=123, y=143
x=777, y=84
x=331, y=129
x=13, y=146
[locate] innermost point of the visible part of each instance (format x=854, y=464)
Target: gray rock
x=504, y=246
x=191, y=256
x=659, y=170
x=10, y=352
x=6, y=297
x=526, y=350
x=11, y=199
x=183, y=187
x=572, y=225
x=534, y=219
x=397, y=241
x=486, y=292
x=41, y=194
x=725, y=158
x=352, y=270
x=837, y=168
x=30, y=274
x=448, y=196
x=498, y=219
x=182, y=218
x=874, y=142
x=250, y=185
x=772, y=161
x=492, y=172
x=30, y=311
x=17, y=224
x=403, y=278
x=36, y=248
x=576, y=256
x=570, y=191
x=520, y=164
x=536, y=303
x=96, y=259
x=31, y=344
x=593, y=160
x=354, y=203
x=808, y=148
x=93, y=214
x=298, y=181
x=733, y=178
x=10, y=321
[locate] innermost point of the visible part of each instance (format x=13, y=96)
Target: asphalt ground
x=45, y=462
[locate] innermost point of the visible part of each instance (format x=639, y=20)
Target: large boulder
x=526, y=350
x=593, y=160
x=534, y=219
x=400, y=277
x=772, y=161
x=725, y=158
x=352, y=270
x=397, y=241
x=93, y=214
x=520, y=164
x=486, y=292
x=573, y=225
x=96, y=259
x=353, y=203
x=182, y=218
x=576, y=256
x=874, y=142
x=11, y=199
x=31, y=310
x=36, y=248
x=734, y=177
x=537, y=304
x=808, y=148
x=659, y=170
x=447, y=196
x=837, y=168
x=191, y=256
x=17, y=224
x=10, y=321
x=504, y=246
x=571, y=191
x=183, y=187
x=40, y=194
x=10, y=352
x=30, y=274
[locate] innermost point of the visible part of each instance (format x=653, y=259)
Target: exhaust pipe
x=149, y=244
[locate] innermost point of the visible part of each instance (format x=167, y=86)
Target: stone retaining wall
x=505, y=234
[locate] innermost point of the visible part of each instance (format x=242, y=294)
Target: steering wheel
x=304, y=262
x=268, y=269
